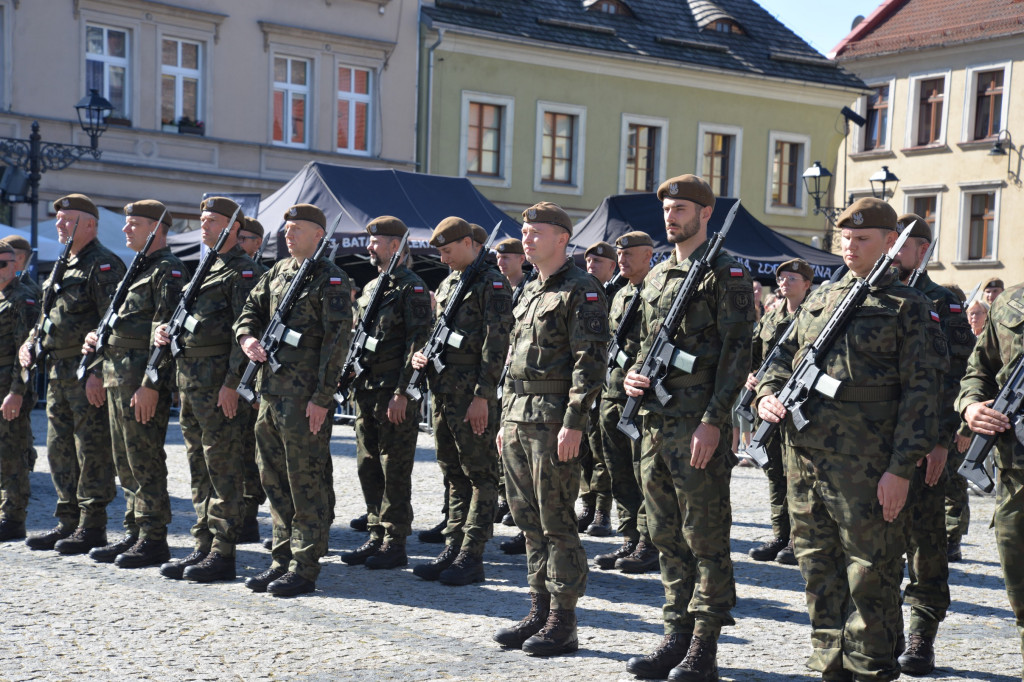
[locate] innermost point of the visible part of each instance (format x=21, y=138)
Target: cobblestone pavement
x=70, y=618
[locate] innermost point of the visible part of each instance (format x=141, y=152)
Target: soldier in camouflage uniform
x=17, y=315
x=795, y=278
x=556, y=367
x=293, y=430
x=207, y=373
x=621, y=455
x=927, y=563
x=686, y=456
x=138, y=407
x=849, y=470
x=78, y=433
x=464, y=403
x=386, y=420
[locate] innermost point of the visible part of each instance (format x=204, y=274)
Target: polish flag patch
x=592, y=297
x=104, y=267
x=735, y=272
x=335, y=280
x=417, y=289
x=497, y=285
x=955, y=308
x=935, y=315
x=30, y=301
x=247, y=274
x=176, y=273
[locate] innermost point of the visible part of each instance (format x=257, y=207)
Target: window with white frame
x=719, y=157
x=979, y=233
x=561, y=136
x=107, y=67
x=926, y=204
x=291, y=101
x=180, y=81
x=875, y=133
x=787, y=158
x=985, y=105
x=643, y=143
x=485, y=144
x=927, y=124
x=355, y=109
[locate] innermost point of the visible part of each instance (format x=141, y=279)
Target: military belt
x=7, y=360
x=205, y=351
x=687, y=380
x=867, y=394
x=463, y=359
x=310, y=341
x=129, y=344
x=65, y=353
x=521, y=387
x=379, y=368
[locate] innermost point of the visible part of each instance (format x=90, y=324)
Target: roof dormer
x=608, y=7
x=710, y=17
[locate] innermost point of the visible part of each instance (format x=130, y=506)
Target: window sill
x=941, y=148
x=977, y=264
x=976, y=144
x=873, y=154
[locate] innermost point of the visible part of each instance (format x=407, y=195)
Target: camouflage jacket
x=717, y=328
x=211, y=358
x=484, y=320
x=767, y=333
x=401, y=328
x=560, y=335
x=321, y=314
x=151, y=300
x=18, y=311
x=613, y=388
x=998, y=349
x=85, y=293
x=890, y=360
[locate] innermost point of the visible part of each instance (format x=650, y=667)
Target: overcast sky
x=821, y=23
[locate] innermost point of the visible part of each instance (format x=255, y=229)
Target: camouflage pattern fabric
x=957, y=503
x=17, y=315
x=253, y=494
x=595, y=480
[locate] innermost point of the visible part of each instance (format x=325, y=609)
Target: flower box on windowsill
x=191, y=130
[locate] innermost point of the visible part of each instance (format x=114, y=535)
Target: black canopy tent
x=760, y=248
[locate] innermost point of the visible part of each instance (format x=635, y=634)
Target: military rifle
x=807, y=375
x=970, y=296
x=28, y=265
x=181, y=319
x=443, y=335
x=277, y=332
x=614, y=284
x=43, y=324
x=362, y=342
x=1009, y=402
x=922, y=266
x=516, y=295
x=110, y=317
x=616, y=355
x=663, y=354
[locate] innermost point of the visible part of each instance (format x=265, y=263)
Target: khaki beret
x=386, y=226
x=76, y=202
x=634, y=238
x=920, y=229
x=688, y=187
x=450, y=230
x=546, y=212
x=221, y=206
x=16, y=242
x=6, y=248
x=602, y=249
x=799, y=266
x=307, y=212
x=868, y=212
x=479, y=234
x=510, y=245
x=252, y=226
x=993, y=283
x=149, y=208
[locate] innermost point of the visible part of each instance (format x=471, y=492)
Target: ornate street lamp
x=818, y=183
x=1003, y=146
x=879, y=182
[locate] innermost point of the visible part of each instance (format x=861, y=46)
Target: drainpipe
x=430, y=97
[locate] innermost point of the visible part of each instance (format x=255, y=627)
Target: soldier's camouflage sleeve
x=335, y=296
x=241, y=287
x=961, y=342
x=26, y=309
x=418, y=322
x=168, y=282
x=103, y=282
x=497, y=326
x=997, y=349
x=254, y=317
x=735, y=322
x=588, y=342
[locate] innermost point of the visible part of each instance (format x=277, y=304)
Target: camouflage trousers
x=141, y=462
x=15, y=463
x=850, y=559
x=958, y=507
x=927, y=593
x=620, y=453
x=470, y=466
x=78, y=449
x=293, y=470
x=595, y=479
x=1008, y=522
x=384, y=459
x=689, y=517
x=253, y=495
x=542, y=494
x=776, y=471
x=213, y=446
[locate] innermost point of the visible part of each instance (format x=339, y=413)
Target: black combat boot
x=390, y=555
x=250, y=531
x=290, y=584
x=558, y=636
x=953, y=552
x=507, y=520
x=358, y=523
x=586, y=518
x=259, y=582
x=658, y=665
x=358, y=556
x=106, y=555
x=211, y=569
x=268, y=544
x=145, y=552
x=919, y=656
x=501, y=510
x=81, y=541
x=432, y=570
x=515, y=545
x=11, y=530
x=768, y=550
x=176, y=569
x=607, y=561
x=513, y=637
x=643, y=559
x=435, y=535
x=466, y=569
x=601, y=526
x=700, y=663
x=48, y=539
x=786, y=556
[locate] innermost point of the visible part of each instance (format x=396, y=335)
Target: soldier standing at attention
x=465, y=406
x=293, y=430
x=795, y=278
x=387, y=422
x=22, y=250
x=138, y=407
x=207, y=374
x=78, y=432
x=686, y=455
x=849, y=470
x=17, y=315
x=556, y=368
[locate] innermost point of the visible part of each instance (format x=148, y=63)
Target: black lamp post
x=818, y=183
x=36, y=157
x=1003, y=146
x=879, y=182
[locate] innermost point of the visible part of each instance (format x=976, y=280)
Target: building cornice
x=148, y=8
